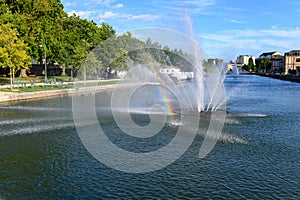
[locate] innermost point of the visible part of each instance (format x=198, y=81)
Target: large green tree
x=81, y=37
x=13, y=53
x=37, y=21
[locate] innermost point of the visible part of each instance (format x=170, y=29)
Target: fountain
x=235, y=70
x=145, y=100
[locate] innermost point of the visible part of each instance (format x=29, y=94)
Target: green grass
x=37, y=88
x=37, y=79
x=97, y=83
x=18, y=87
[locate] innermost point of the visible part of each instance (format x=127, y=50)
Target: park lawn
x=58, y=85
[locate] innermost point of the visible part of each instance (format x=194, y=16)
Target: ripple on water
x=53, y=163
x=29, y=129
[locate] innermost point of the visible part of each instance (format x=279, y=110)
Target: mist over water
x=256, y=157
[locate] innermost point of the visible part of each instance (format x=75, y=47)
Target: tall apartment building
x=292, y=62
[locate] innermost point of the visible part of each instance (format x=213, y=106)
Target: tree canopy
x=68, y=40
x=13, y=53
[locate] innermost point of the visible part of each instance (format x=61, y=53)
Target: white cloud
x=192, y=5
x=195, y=3
x=235, y=9
x=287, y=44
x=274, y=27
x=67, y=4
x=108, y=15
x=291, y=33
x=119, y=5
x=272, y=32
x=100, y=2
x=82, y=14
x=237, y=21
x=252, y=42
x=142, y=17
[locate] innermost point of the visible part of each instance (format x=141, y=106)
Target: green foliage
x=69, y=40
x=13, y=53
x=65, y=38
x=118, y=52
x=251, y=67
x=90, y=64
x=81, y=36
x=37, y=21
x=263, y=65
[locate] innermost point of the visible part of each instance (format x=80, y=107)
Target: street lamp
x=40, y=45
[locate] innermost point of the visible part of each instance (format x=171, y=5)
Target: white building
x=176, y=73
x=244, y=60
x=230, y=66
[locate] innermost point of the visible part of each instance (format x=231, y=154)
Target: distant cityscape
x=270, y=62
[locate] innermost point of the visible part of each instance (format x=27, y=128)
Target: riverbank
x=282, y=77
x=14, y=96
x=81, y=87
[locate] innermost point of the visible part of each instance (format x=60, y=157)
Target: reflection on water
x=256, y=157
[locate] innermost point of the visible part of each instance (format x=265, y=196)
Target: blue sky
x=224, y=28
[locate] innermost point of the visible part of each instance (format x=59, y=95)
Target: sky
x=223, y=28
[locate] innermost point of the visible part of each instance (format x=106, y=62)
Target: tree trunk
x=13, y=75
x=23, y=73
x=63, y=70
x=11, y=79
x=84, y=75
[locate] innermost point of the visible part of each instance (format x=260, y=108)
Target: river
x=257, y=156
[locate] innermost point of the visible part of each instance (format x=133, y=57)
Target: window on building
x=297, y=59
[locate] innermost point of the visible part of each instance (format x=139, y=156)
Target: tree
x=90, y=65
x=37, y=21
x=80, y=38
x=106, y=31
x=251, y=66
x=13, y=53
x=263, y=64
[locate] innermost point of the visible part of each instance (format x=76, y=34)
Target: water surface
x=258, y=155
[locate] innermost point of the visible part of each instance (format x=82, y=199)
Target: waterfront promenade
x=48, y=93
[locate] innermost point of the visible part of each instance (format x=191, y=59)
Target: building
x=215, y=61
x=292, y=62
x=270, y=55
x=276, y=61
x=176, y=73
x=230, y=66
x=172, y=71
x=244, y=60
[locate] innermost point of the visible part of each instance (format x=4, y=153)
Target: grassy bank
x=50, y=91
x=29, y=79
x=36, y=84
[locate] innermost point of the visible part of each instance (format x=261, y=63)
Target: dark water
x=257, y=157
